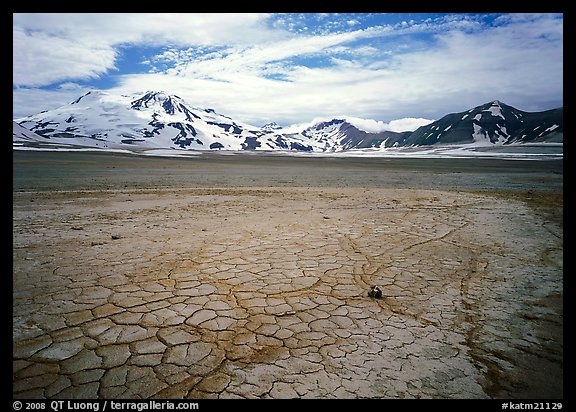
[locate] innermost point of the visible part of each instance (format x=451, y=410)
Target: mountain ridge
x=157, y=119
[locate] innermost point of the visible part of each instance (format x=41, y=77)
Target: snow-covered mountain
x=339, y=135
x=153, y=120
x=160, y=120
x=270, y=127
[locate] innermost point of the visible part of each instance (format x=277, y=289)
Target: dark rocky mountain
x=491, y=123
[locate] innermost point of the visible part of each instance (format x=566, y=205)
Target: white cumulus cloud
x=40, y=59
x=406, y=124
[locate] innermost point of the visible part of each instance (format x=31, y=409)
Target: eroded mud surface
x=262, y=292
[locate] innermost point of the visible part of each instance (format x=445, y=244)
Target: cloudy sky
x=292, y=68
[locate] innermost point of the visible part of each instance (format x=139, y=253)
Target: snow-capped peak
x=269, y=127
x=151, y=98
x=170, y=104
x=90, y=95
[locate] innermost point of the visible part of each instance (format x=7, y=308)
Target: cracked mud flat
x=261, y=292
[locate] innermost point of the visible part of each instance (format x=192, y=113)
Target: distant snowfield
x=524, y=151
x=543, y=151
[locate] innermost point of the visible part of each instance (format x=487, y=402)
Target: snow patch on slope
x=495, y=110
x=480, y=135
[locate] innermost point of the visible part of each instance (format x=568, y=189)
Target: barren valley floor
x=226, y=276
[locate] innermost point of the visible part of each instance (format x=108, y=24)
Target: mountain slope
x=22, y=135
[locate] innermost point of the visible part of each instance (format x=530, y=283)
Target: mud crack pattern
x=262, y=293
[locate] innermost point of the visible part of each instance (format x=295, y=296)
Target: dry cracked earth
x=262, y=293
